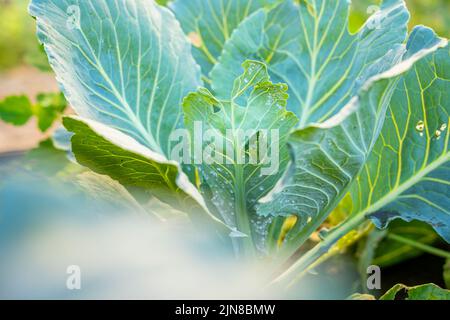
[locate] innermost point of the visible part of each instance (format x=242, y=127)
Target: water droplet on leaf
x=437, y=134
x=420, y=126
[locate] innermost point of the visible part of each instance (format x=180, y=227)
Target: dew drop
x=420, y=126
x=437, y=134
x=251, y=68
x=443, y=127
x=323, y=233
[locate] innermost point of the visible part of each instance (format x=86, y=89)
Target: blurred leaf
x=433, y=13
x=341, y=212
x=48, y=108
x=367, y=251
x=16, y=110
x=61, y=138
x=392, y=252
x=106, y=190
x=447, y=273
x=46, y=159
x=162, y=2
x=361, y=296
x=350, y=239
x=163, y=210
x=423, y=292
x=38, y=59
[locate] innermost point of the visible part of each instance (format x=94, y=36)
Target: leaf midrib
x=150, y=139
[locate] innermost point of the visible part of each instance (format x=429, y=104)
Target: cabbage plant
x=362, y=116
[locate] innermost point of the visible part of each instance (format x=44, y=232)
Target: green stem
x=242, y=218
x=325, y=257
x=291, y=275
x=274, y=234
x=301, y=236
x=292, y=245
x=420, y=246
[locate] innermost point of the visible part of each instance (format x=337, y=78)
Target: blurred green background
x=431, y=13
x=18, y=43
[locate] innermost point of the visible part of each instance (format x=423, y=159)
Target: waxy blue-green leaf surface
x=255, y=104
x=408, y=173
x=308, y=47
x=328, y=157
x=325, y=160
x=124, y=63
x=210, y=23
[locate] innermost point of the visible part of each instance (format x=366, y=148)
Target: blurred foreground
x=50, y=226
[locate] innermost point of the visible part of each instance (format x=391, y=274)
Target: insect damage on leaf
x=250, y=128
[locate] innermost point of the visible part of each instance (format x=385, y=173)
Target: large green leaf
x=252, y=106
x=327, y=157
x=407, y=175
x=110, y=152
x=423, y=292
x=308, y=47
x=124, y=63
x=210, y=23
